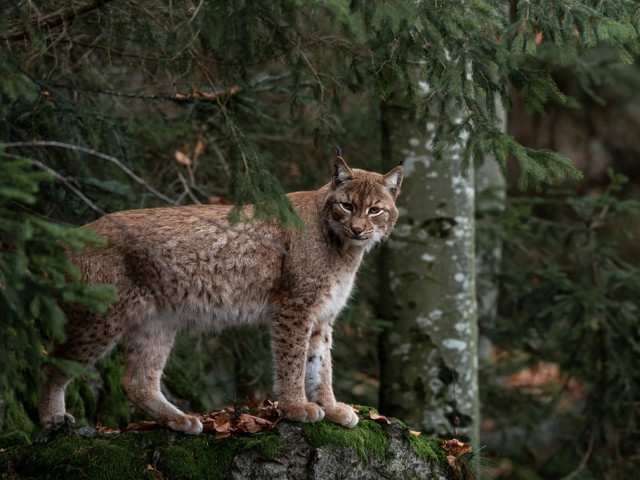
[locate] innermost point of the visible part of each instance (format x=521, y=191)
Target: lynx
x=181, y=267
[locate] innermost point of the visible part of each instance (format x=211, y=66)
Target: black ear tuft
x=338, y=151
x=402, y=161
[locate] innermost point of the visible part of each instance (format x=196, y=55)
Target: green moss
x=205, y=457
x=127, y=456
x=16, y=418
x=426, y=448
x=114, y=405
x=179, y=462
x=364, y=410
x=366, y=435
x=79, y=400
x=12, y=438
x=176, y=456
x=71, y=457
x=12, y=443
x=271, y=444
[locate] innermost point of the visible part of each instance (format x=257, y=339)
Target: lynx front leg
x=318, y=379
x=147, y=349
x=290, y=336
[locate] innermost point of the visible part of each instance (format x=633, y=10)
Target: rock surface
x=294, y=451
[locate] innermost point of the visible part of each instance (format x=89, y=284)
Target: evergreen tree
x=562, y=391
x=211, y=99
x=433, y=338
x=35, y=278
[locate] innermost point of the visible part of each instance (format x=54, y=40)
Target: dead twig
x=53, y=20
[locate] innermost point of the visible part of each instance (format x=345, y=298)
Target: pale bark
x=429, y=368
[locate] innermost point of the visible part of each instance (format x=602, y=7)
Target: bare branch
x=99, y=210
x=124, y=168
x=55, y=19
x=195, y=95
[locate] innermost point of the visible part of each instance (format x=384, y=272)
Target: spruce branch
x=50, y=21
x=124, y=168
x=110, y=218
x=180, y=98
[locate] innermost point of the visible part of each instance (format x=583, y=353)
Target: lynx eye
x=347, y=207
x=374, y=211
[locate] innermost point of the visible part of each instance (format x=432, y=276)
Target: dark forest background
x=112, y=105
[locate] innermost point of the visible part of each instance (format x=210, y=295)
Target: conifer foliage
x=36, y=277
x=248, y=81
x=565, y=384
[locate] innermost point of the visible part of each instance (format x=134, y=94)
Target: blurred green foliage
x=36, y=277
x=564, y=384
x=268, y=89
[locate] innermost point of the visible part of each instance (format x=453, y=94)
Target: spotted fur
x=182, y=267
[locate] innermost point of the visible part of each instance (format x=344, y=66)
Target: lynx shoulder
x=181, y=267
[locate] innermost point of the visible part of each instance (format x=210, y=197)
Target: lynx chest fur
x=180, y=267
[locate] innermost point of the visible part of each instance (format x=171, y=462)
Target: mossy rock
x=12, y=438
x=291, y=451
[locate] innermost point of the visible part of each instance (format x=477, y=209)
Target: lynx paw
x=56, y=422
x=303, y=412
x=186, y=424
x=342, y=414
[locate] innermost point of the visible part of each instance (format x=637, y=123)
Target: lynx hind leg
x=82, y=346
x=318, y=378
x=147, y=348
x=53, y=414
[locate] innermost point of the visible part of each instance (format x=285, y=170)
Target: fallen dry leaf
x=455, y=447
x=378, y=418
x=222, y=422
x=252, y=424
x=142, y=426
x=104, y=429
x=199, y=150
x=413, y=432
x=250, y=418
x=181, y=158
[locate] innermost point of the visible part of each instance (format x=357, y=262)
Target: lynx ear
x=393, y=180
x=341, y=172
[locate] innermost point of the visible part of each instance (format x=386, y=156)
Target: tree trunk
x=429, y=371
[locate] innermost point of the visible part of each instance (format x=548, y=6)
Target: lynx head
x=360, y=209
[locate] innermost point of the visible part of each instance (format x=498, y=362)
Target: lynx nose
x=356, y=230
